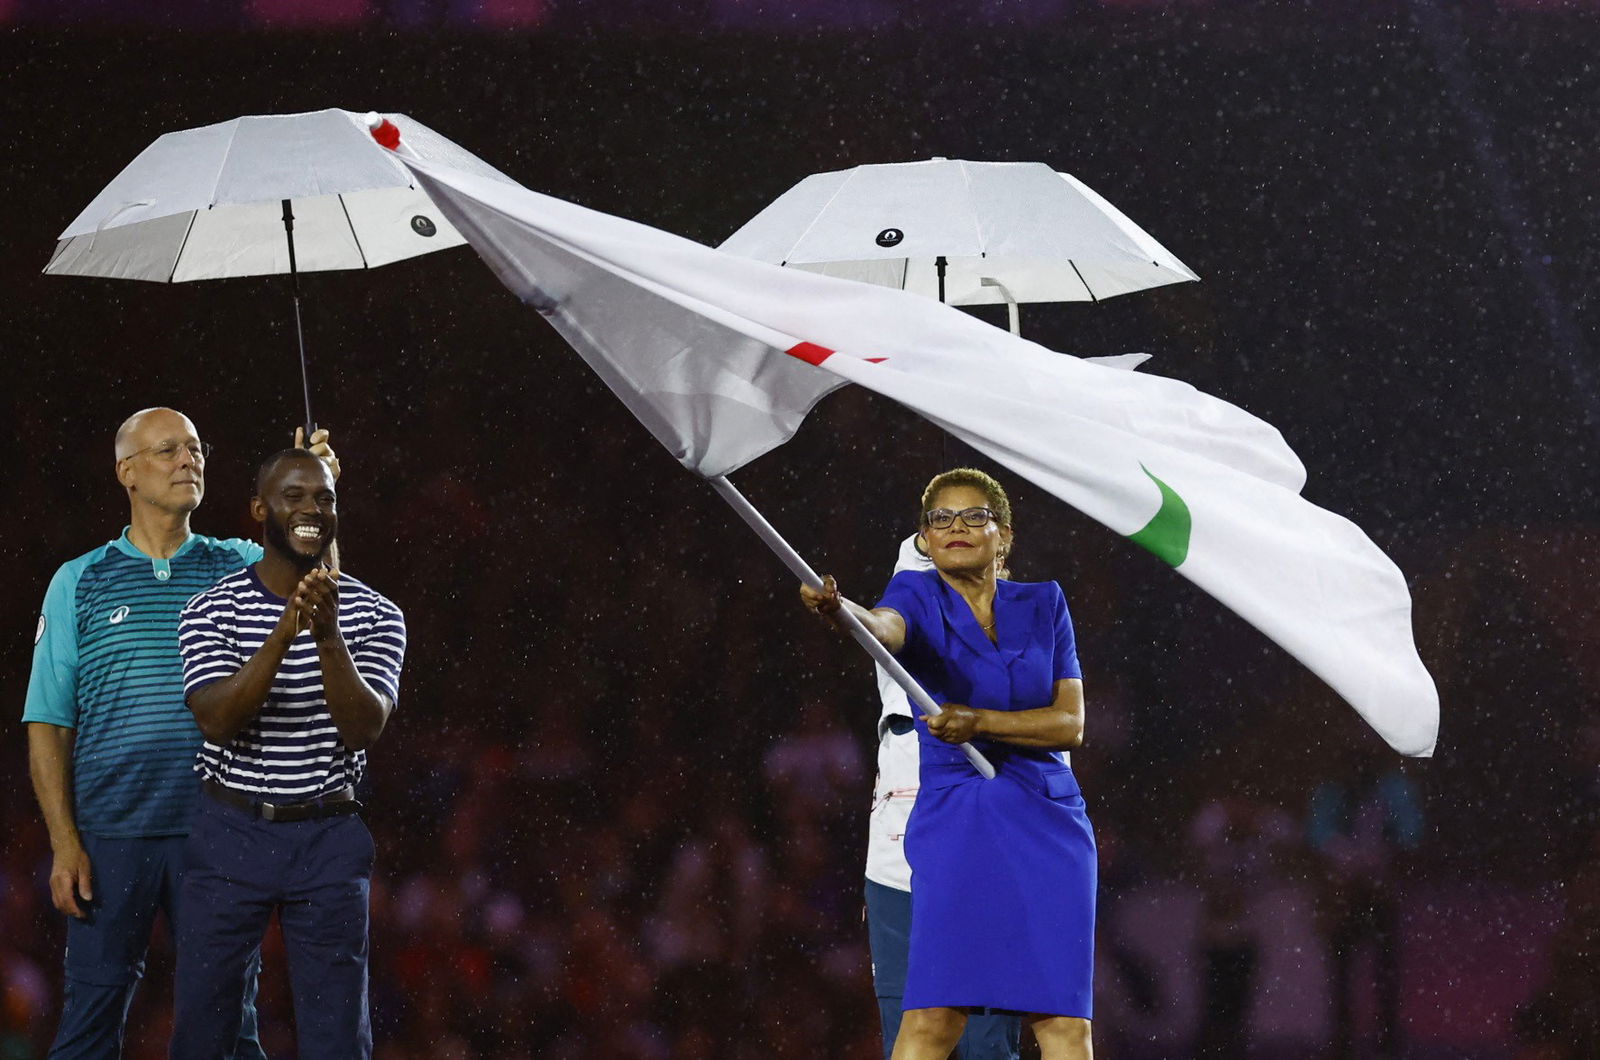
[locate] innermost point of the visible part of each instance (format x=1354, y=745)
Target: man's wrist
x=68, y=843
x=279, y=640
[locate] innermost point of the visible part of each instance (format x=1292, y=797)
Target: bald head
x=161, y=462
x=151, y=427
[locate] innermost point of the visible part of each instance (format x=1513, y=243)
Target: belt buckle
x=269, y=811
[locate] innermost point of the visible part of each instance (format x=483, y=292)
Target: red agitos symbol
x=811, y=353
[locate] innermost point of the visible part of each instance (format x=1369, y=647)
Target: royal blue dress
x=1002, y=871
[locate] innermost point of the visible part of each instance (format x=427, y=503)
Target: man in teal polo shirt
x=111, y=745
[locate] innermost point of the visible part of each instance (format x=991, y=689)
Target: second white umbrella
x=943, y=227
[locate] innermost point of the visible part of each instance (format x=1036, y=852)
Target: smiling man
x=111, y=746
x=291, y=670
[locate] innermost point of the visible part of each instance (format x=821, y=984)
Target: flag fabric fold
x=721, y=358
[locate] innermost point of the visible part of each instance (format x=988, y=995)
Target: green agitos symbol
x=1167, y=534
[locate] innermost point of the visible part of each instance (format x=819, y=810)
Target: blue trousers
x=990, y=1035
x=238, y=871
x=132, y=879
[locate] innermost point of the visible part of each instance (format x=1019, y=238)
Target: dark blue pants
x=990, y=1034
x=132, y=879
x=238, y=871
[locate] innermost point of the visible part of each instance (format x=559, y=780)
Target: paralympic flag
x=721, y=358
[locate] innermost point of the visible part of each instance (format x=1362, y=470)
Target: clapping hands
x=313, y=605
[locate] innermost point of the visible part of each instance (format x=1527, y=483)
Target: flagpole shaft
x=802, y=570
x=299, y=330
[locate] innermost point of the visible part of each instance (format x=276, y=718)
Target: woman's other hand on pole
x=957, y=723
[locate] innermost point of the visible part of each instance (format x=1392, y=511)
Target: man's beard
x=278, y=537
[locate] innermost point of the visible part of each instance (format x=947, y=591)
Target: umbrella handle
x=1012, y=315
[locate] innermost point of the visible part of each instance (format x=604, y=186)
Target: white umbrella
x=968, y=233
x=263, y=194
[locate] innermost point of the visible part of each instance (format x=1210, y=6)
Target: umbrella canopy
x=208, y=203
x=1039, y=235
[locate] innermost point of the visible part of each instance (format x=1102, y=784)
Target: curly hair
x=986, y=484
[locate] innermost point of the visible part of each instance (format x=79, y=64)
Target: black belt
x=331, y=805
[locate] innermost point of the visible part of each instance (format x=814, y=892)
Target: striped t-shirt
x=290, y=751
x=106, y=665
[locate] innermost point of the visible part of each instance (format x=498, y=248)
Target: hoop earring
x=916, y=543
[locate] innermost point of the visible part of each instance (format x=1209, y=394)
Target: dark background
x=1392, y=210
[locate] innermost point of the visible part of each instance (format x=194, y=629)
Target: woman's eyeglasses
x=945, y=518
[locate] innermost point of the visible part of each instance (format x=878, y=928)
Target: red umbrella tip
x=383, y=130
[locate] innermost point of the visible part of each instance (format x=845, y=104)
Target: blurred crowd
x=540, y=894
x=1562, y=1019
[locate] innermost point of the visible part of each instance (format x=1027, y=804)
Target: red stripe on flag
x=809, y=352
x=876, y=360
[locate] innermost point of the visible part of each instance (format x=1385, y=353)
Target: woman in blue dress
x=1002, y=870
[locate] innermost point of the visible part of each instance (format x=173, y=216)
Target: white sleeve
x=891, y=695
x=898, y=755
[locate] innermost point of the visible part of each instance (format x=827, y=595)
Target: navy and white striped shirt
x=291, y=751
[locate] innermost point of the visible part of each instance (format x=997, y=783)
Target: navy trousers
x=990, y=1034
x=133, y=878
x=238, y=871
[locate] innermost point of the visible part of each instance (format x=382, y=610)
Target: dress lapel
x=1015, y=614
x=958, y=620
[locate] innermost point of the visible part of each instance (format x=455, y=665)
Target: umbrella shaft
x=305, y=375
x=299, y=329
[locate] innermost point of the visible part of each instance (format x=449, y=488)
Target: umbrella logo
x=890, y=237
x=422, y=226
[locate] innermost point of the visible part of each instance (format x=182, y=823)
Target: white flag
x=722, y=357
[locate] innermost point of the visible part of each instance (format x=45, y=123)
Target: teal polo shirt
x=106, y=664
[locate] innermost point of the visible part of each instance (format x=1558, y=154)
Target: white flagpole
x=803, y=571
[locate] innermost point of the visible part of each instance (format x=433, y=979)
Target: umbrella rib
x=223, y=163
x=353, y=235
x=61, y=248
x=182, y=246
x=966, y=183
x=836, y=193
x=1083, y=281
